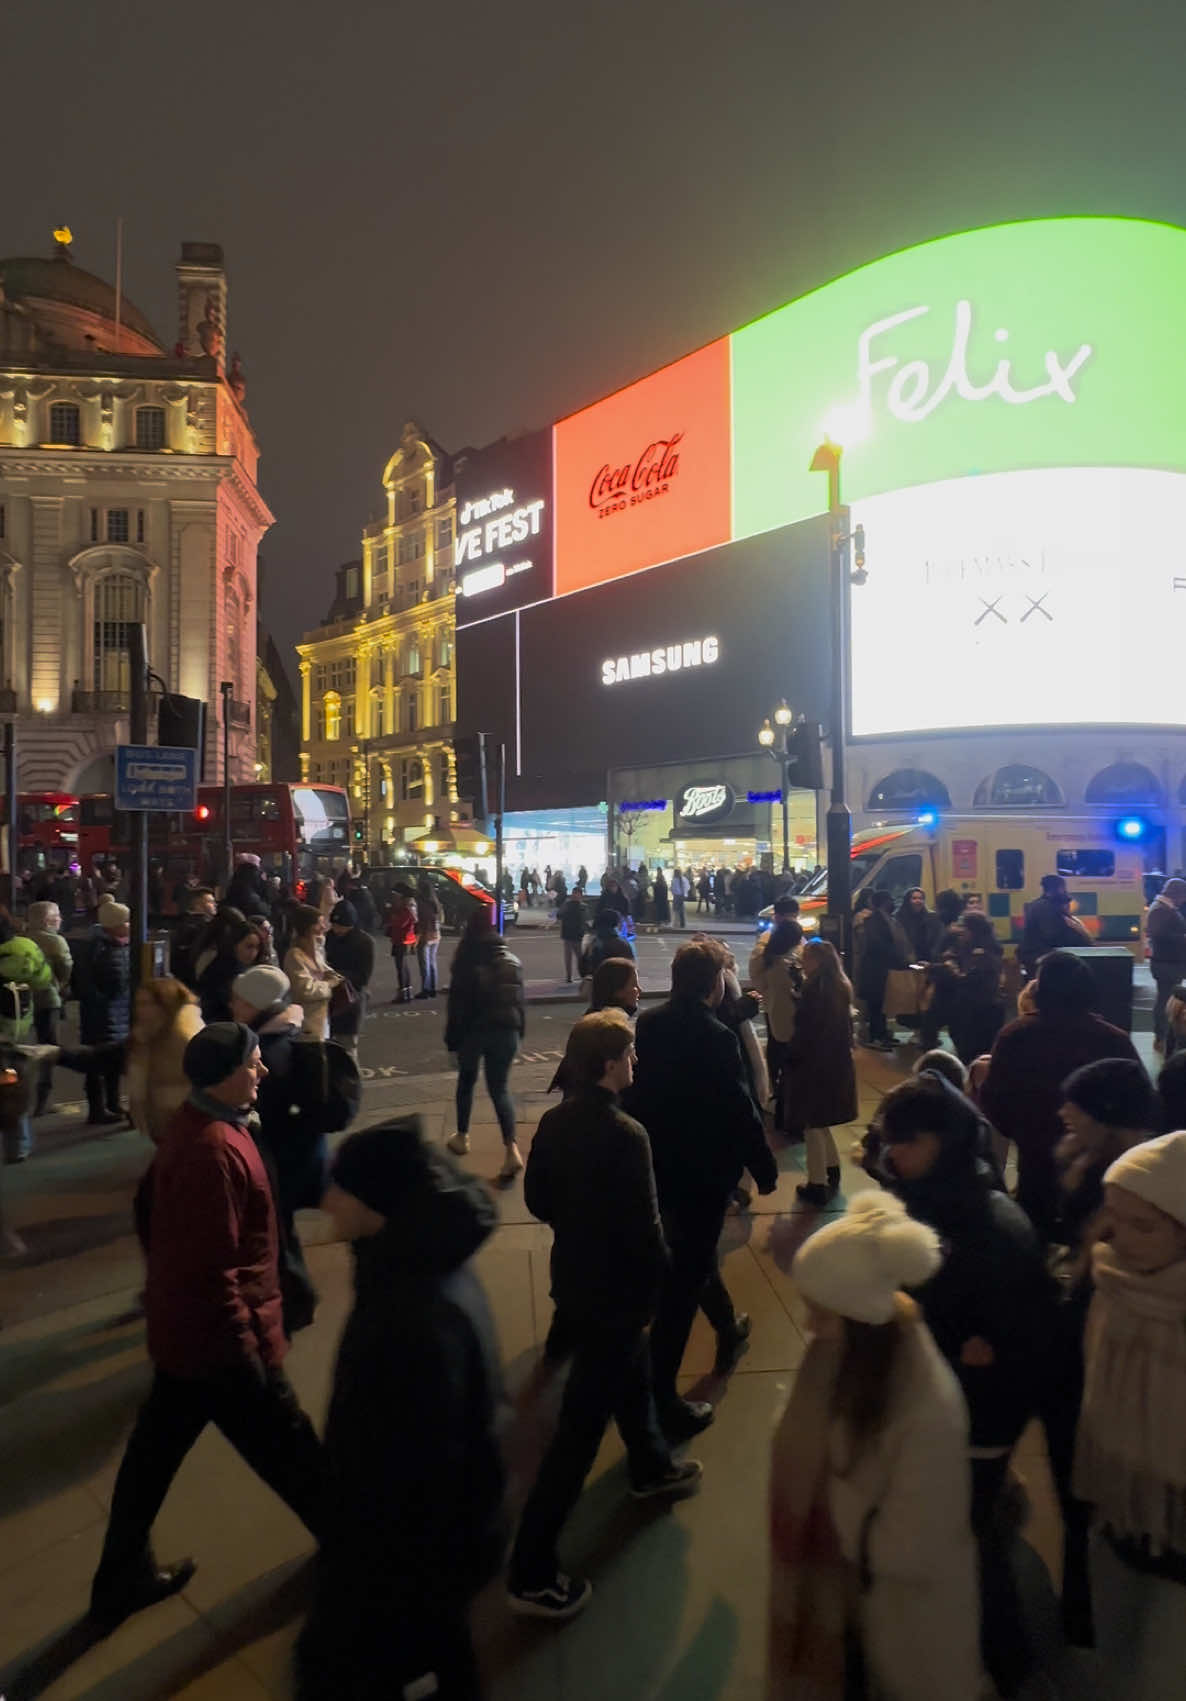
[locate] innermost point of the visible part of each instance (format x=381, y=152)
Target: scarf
x=1130, y=1458
x=811, y=1586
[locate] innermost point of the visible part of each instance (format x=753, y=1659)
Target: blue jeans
x=496, y=1048
x=18, y=1141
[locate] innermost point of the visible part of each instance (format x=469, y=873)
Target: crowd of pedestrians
x=948, y=1307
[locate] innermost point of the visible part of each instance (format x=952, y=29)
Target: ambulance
x=996, y=864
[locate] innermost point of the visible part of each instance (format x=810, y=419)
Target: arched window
x=64, y=423
x=150, y=428
x=444, y=790
x=909, y=789
x=333, y=715
x=413, y=779
x=1017, y=786
x=119, y=605
x=233, y=616
x=412, y=656
x=1124, y=785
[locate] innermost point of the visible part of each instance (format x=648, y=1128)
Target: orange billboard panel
x=645, y=476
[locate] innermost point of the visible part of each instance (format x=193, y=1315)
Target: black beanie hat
x=216, y=1051
x=379, y=1165
x=343, y=914
x=1115, y=1091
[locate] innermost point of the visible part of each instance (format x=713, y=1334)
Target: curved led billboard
x=1014, y=401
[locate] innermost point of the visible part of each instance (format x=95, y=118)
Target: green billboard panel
x=1059, y=342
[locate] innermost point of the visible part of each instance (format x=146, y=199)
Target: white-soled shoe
x=458, y=1144
x=511, y=1164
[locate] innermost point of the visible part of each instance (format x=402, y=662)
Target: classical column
x=306, y=668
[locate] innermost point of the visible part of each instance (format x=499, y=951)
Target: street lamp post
x=839, y=833
x=776, y=741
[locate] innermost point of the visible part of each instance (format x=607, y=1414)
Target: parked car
x=458, y=891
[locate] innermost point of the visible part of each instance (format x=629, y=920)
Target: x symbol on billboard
x=990, y=608
x=1035, y=607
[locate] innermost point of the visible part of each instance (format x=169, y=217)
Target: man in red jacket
x=215, y=1332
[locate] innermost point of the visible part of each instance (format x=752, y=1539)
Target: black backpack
x=326, y=1084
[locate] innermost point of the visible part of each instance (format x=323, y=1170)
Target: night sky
x=483, y=216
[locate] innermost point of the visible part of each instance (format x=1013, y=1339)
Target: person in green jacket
x=43, y=926
x=23, y=973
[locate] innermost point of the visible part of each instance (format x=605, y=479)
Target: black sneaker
x=812, y=1193
x=833, y=1178
x=679, y=1480
x=108, y=1611
x=731, y=1344
x=684, y=1419
x=561, y=1599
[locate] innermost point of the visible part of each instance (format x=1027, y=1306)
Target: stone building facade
x=378, y=691
x=128, y=493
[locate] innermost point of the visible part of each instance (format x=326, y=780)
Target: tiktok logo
x=909, y=395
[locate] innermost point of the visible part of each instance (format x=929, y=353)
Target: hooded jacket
x=22, y=963
x=993, y=1282
x=416, y=1475
x=485, y=991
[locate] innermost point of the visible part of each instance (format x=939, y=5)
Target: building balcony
x=99, y=702
x=240, y=712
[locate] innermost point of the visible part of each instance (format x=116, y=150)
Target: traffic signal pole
x=138, y=728
x=502, y=804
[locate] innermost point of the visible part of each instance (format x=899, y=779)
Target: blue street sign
x=155, y=776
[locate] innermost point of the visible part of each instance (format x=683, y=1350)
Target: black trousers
x=610, y=1377
x=1004, y=1642
x=45, y=1026
x=373, y=1647
x=260, y=1417
x=693, y=1279
x=878, y=1028
x=102, y=1087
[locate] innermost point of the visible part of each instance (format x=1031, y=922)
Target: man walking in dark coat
x=105, y=1006
x=691, y=1096
x=415, y=1522
x=212, y=1303
x=574, y=924
x=590, y=1177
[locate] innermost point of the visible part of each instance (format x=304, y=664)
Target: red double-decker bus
x=47, y=829
x=297, y=831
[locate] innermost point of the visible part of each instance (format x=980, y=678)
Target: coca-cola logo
x=614, y=489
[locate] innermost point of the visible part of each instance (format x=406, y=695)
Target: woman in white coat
x=310, y=976
x=874, y=1565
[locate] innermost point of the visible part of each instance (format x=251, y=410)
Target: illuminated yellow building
x=377, y=680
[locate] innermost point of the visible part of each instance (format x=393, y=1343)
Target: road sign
x=155, y=776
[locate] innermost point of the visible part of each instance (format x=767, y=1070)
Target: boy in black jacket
x=589, y=1175
x=991, y=1308
x=415, y=1473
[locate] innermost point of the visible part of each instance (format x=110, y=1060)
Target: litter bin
x=1111, y=969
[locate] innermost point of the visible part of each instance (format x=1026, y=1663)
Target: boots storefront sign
x=703, y=803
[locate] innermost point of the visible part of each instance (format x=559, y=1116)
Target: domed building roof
x=59, y=280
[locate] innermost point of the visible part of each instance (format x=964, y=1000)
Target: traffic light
x=202, y=812
x=181, y=722
x=359, y=832
x=805, y=752
x=470, y=753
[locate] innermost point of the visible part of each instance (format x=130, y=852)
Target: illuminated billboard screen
x=994, y=601
x=683, y=661
x=1010, y=405
x=502, y=551
x=643, y=476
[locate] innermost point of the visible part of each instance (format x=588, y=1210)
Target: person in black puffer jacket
x=992, y=1310
x=484, y=1023
x=416, y=1523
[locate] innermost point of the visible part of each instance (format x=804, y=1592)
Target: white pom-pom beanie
x=856, y=1265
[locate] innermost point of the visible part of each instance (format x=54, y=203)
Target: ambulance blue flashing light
x=929, y=818
x=1132, y=828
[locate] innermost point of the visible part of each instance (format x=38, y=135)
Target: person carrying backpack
x=484, y=1024
x=311, y=1089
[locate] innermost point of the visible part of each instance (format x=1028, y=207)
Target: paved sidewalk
x=679, y=1612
